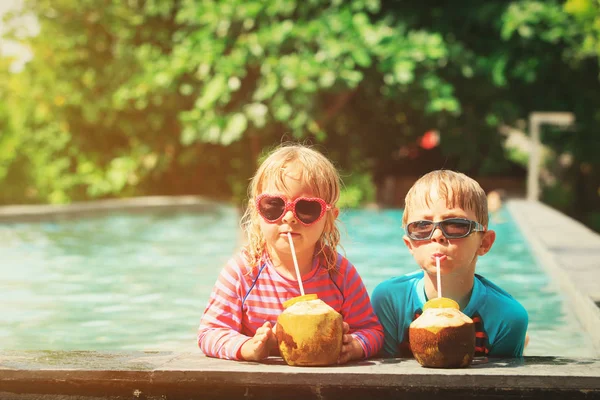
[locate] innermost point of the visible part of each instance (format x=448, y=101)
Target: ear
x=336, y=212
x=488, y=239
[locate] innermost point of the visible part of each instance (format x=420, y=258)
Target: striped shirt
x=244, y=298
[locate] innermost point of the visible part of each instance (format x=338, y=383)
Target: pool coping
x=28, y=213
x=159, y=375
x=569, y=252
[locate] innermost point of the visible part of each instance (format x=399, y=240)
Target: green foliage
x=576, y=22
x=517, y=156
x=253, y=66
x=129, y=95
x=559, y=195
x=357, y=191
x=169, y=97
x=563, y=44
x=593, y=221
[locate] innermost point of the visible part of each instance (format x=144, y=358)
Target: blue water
x=141, y=281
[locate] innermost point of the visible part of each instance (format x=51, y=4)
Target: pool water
x=141, y=281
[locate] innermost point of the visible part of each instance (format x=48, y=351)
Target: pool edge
x=569, y=252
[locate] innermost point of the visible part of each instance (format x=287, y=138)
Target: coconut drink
x=442, y=336
x=309, y=332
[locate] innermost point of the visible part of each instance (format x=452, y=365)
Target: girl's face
x=457, y=256
x=305, y=237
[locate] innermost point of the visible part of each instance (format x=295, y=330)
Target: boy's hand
x=259, y=347
x=351, y=349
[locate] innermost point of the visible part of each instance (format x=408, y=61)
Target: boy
x=446, y=217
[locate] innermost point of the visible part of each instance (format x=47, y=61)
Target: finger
x=267, y=329
x=346, y=339
x=345, y=327
x=346, y=348
x=264, y=342
x=346, y=353
x=344, y=357
x=266, y=337
x=260, y=331
x=258, y=343
x=260, y=335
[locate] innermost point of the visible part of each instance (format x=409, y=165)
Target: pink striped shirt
x=243, y=299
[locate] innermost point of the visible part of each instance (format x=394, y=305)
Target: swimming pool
x=141, y=281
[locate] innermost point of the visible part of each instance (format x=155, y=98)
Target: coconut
x=309, y=333
x=442, y=338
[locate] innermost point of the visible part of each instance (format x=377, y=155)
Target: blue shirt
x=500, y=320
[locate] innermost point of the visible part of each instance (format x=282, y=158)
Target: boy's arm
x=358, y=313
x=510, y=340
x=388, y=315
x=219, y=332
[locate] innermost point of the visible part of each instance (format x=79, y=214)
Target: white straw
x=296, y=264
x=439, y=277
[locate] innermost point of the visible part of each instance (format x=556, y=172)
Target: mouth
x=294, y=234
x=442, y=257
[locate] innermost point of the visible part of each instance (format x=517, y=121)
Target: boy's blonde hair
x=320, y=174
x=456, y=188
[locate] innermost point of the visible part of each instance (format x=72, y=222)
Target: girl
x=293, y=191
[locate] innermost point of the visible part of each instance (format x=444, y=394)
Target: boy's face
x=457, y=256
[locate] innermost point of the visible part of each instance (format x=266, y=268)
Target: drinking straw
x=439, y=277
x=296, y=264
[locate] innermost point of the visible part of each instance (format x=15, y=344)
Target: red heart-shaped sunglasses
x=307, y=210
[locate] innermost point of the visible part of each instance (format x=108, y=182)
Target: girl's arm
x=219, y=333
x=383, y=300
x=359, y=314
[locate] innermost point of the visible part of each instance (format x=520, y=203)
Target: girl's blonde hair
x=456, y=188
x=319, y=173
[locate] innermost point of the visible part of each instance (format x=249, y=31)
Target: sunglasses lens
x=308, y=211
x=271, y=208
x=419, y=229
x=456, y=228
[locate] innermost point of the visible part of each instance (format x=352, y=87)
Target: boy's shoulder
x=500, y=299
x=494, y=290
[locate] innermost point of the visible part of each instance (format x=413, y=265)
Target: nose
x=438, y=235
x=288, y=217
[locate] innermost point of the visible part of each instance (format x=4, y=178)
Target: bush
x=358, y=190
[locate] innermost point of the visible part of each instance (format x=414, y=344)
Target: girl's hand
x=351, y=348
x=259, y=347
